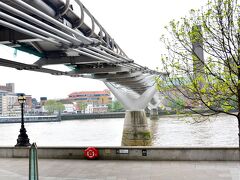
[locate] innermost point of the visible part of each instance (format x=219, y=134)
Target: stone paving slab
x=55, y=169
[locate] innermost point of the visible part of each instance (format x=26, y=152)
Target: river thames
x=167, y=131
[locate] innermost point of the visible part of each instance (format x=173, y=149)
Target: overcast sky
x=136, y=25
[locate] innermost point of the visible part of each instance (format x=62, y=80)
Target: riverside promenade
x=65, y=169
x=124, y=162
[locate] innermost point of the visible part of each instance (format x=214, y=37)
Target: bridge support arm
x=135, y=131
x=129, y=101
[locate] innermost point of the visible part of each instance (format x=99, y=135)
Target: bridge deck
x=51, y=169
x=58, y=33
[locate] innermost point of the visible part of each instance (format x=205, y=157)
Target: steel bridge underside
x=65, y=32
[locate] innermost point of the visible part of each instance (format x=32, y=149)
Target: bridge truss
x=65, y=32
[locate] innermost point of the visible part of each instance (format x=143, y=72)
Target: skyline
x=136, y=26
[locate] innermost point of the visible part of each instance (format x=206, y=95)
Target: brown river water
x=168, y=131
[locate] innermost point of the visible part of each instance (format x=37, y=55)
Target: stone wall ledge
x=131, y=153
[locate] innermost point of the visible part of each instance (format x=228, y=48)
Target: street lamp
x=22, y=137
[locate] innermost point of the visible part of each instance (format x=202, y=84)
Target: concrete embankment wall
x=130, y=153
x=92, y=116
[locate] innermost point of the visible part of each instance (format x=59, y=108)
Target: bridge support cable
x=118, y=76
x=23, y=66
x=109, y=57
x=40, y=23
x=127, y=79
x=66, y=41
x=144, y=80
x=104, y=58
x=118, y=58
x=57, y=23
x=77, y=60
x=33, y=28
x=51, y=20
x=100, y=55
x=99, y=70
x=54, y=38
x=91, y=55
x=19, y=29
x=45, y=33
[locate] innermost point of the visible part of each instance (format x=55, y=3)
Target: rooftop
x=89, y=92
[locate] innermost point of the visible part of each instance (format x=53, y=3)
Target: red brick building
x=92, y=97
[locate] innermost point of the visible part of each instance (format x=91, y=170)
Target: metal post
x=23, y=139
x=33, y=162
x=22, y=118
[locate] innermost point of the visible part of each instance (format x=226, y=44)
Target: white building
x=96, y=108
x=69, y=108
x=9, y=105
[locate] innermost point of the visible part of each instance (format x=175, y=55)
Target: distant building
x=9, y=87
x=43, y=100
x=34, y=103
x=92, y=97
x=28, y=103
x=2, y=102
x=69, y=108
x=96, y=109
x=9, y=105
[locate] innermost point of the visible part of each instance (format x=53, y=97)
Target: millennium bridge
x=65, y=32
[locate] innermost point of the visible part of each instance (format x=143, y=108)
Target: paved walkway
x=52, y=169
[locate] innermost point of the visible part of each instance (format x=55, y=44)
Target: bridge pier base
x=154, y=114
x=136, y=131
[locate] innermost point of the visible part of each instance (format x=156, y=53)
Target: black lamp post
x=22, y=137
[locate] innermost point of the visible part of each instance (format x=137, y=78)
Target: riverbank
x=63, y=117
x=66, y=117
x=117, y=115
x=30, y=119
x=92, y=116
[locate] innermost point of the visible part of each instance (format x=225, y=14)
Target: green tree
x=82, y=106
x=116, y=106
x=176, y=104
x=51, y=106
x=110, y=107
x=212, y=82
x=60, y=107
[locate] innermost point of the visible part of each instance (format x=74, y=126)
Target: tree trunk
x=238, y=117
x=238, y=87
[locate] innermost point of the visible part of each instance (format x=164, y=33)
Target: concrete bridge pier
x=136, y=131
x=154, y=114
